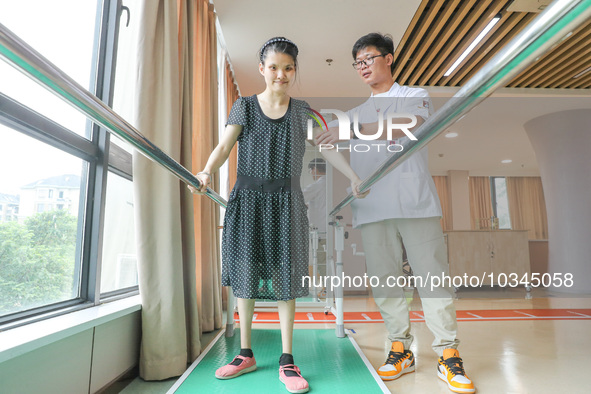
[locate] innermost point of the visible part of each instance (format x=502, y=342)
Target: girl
x=265, y=238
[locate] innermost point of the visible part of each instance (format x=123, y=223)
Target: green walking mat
x=329, y=364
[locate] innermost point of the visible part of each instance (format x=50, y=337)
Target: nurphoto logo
x=345, y=127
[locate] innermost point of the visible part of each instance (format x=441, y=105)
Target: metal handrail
x=24, y=58
x=557, y=20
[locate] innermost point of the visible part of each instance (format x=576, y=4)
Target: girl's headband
x=273, y=41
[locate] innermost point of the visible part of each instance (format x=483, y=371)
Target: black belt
x=267, y=185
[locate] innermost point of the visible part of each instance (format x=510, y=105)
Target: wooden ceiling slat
x=432, y=34
x=556, y=70
x=574, y=68
x=466, y=20
x=581, y=34
x=568, y=81
x=585, y=85
x=414, y=50
x=441, y=30
x=520, y=26
x=571, y=68
x=549, y=69
x=502, y=29
x=585, y=82
x=483, y=20
x=405, y=38
x=441, y=41
x=543, y=74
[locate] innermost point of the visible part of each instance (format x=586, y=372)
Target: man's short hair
x=383, y=43
x=318, y=164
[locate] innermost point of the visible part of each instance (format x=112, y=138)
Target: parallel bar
x=555, y=22
x=24, y=58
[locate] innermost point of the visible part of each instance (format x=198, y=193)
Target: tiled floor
x=515, y=356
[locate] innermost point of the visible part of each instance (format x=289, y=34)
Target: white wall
x=82, y=363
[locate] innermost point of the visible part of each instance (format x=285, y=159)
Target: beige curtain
x=186, y=20
x=480, y=202
x=172, y=109
x=527, y=206
x=205, y=139
x=444, y=193
x=163, y=265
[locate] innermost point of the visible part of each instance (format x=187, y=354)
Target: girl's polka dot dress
x=265, y=238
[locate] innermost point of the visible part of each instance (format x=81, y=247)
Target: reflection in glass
x=119, y=261
x=314, y=184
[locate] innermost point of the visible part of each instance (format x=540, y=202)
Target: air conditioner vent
x=528, y=5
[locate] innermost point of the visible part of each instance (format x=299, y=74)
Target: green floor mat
x=330, y=364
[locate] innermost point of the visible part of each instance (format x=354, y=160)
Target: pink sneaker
x=293, y=384
x=230, y=371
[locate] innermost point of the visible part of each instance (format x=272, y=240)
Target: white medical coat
x=408, y=191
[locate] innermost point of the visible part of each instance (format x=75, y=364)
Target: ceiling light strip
x=585, y=71
x=479, y=38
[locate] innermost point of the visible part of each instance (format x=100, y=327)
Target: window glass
x=125, y=97
x=48, y=26
x=502, y=206
x=119, y=261
x=39, y=258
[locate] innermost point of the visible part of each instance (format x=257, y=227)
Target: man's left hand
x=329, y=136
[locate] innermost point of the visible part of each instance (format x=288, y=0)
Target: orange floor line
x=417, y=316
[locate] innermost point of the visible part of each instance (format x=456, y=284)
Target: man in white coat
x=403, y=207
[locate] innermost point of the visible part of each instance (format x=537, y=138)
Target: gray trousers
x=427, y=256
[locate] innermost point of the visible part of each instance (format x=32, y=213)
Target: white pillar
x=562, y=143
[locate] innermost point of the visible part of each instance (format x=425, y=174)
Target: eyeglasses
x=368, y=62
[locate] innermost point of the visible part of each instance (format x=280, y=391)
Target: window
x=50, y=264
x=500, y=202
x=119, y=263
x=125, y=76
x=42, y=194
x=39, y=258
x=47, y=26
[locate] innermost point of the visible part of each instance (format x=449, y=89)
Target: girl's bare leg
x=245, y=311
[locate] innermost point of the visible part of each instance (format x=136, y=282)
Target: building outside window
x=40, y=194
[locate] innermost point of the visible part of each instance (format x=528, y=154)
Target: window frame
x=100, y=156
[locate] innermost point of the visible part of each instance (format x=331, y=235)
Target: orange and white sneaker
x=399, y=362
x=450, y=369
